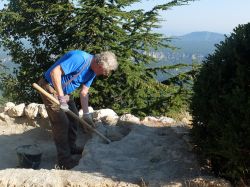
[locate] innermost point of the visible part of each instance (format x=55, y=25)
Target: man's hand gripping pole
x=45, y=93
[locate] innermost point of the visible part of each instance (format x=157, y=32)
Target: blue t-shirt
x=71, y=64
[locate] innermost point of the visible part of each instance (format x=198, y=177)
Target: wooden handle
x=45, y=93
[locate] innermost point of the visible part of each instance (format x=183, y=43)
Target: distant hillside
x=5, y=61
x=202, y=36
x=191, y=47
x=194, y=46
x=198, y=42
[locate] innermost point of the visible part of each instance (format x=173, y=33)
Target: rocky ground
x=149, y=152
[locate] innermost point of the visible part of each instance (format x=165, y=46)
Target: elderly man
x=74, y=69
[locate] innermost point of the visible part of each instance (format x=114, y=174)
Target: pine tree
x=54, y=27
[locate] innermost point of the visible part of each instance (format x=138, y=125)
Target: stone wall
x=36, y=115
x=32, y=114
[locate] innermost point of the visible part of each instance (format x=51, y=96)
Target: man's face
x=100, y=70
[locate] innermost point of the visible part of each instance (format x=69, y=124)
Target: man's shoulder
x=78, y=51
x=81, y=53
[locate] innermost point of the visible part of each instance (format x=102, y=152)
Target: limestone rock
x=99, y=114
x=42, y=111
x=116, y=133
x=208, y=181
x=8, y=105
x=4, y=117
x=150, y=120
x=110, y=120
x=1, y=109
x=187, y=118
x=91, y=110
x=129, y=118
x=139, y=155
x=166, y=120
x=31, y=110
x=16, y=111
x=80, y=113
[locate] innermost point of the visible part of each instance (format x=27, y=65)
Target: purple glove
x=64, y=102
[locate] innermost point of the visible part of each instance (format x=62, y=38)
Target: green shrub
x=221, y=107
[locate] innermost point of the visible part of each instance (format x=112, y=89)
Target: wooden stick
x=45, y=93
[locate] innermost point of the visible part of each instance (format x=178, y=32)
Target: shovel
x=54, y=100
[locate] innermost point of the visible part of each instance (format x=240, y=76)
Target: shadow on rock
x=13, y=136
x=139, y=153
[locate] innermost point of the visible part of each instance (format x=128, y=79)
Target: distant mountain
x=191, y=47
x=200, y=43
x=5, y=61
x=202, y=36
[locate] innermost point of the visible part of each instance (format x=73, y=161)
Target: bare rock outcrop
x=155, y=151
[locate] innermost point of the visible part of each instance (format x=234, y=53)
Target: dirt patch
x=14, y=136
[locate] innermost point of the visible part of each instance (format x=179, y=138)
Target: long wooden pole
x=45, y=93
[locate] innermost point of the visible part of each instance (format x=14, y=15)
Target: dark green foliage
x=221, y=106
x=28, y=31
x=50, y=28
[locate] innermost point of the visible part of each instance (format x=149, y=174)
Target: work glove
x=64, y=102
x=88, y=118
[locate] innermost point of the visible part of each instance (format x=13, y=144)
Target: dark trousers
x=64, y=127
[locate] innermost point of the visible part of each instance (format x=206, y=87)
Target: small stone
x=99, y=114
x=110, y=120
x=129, y=118
x=8, y=105
x=42, y=111
x=31, y=110
x=16, y=111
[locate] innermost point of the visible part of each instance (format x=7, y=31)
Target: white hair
x=108, y=60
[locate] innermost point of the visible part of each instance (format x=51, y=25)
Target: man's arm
x=56, y=75
x=84, y=97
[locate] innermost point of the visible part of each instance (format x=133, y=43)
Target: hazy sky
x=203, y=15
